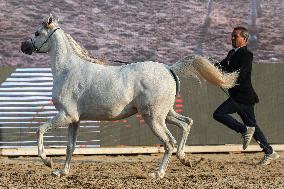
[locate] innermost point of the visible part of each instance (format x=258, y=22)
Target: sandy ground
x=234, y=170
x=127, y=30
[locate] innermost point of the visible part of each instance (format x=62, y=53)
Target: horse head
x=40, y=42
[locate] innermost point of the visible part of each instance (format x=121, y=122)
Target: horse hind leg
x=185, y=124
x=171, y=137
x=158, y=127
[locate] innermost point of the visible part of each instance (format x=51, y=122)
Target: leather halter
x=38, y=49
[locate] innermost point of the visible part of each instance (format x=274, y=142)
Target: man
x=242, y=97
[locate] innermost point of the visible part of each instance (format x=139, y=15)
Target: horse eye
x=36, y=33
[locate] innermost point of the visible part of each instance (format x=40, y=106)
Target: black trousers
x=246, y=112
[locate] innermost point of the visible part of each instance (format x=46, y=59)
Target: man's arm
x=246, y=66
x=223, y=63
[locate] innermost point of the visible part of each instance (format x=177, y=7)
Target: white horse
x=83, y=89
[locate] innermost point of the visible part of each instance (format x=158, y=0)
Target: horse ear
x=45, y=25
x=49, y=23
x=50, y=19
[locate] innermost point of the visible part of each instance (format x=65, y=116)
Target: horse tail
x=202, y=69
x=177, y=82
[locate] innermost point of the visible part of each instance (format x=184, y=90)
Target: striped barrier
x=26, y=103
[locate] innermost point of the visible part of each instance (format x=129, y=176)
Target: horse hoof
x=186, y=162
x=180, y=155
x=152, y=175
x=48, y=162
x=58, y=173
x=173, y=142
x=157, y=175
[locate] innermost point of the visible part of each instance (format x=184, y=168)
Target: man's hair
x=244, y=31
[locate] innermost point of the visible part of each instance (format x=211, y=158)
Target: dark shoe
x=268, y=158
x=247, y=136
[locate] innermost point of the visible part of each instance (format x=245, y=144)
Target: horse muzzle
x=27, y=47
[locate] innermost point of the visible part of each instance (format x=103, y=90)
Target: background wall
x=157, y=30
x=199, y=102
x=20, y=120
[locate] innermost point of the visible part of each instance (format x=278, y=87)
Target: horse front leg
x=72, y=137
x=59, y=120
x=42, y=129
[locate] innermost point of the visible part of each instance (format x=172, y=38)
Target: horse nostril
x=26, y=47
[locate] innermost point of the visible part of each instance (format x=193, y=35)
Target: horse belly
x=107, y=113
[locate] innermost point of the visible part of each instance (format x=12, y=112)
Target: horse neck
x=60, y=51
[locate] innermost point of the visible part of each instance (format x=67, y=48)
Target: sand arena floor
x=234, y=170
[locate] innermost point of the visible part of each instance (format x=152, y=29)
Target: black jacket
x=241, y=61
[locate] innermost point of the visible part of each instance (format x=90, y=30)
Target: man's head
x=240, y=37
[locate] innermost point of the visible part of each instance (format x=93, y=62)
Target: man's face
x=237, y=39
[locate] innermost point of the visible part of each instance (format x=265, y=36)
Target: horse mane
x=82, y=52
